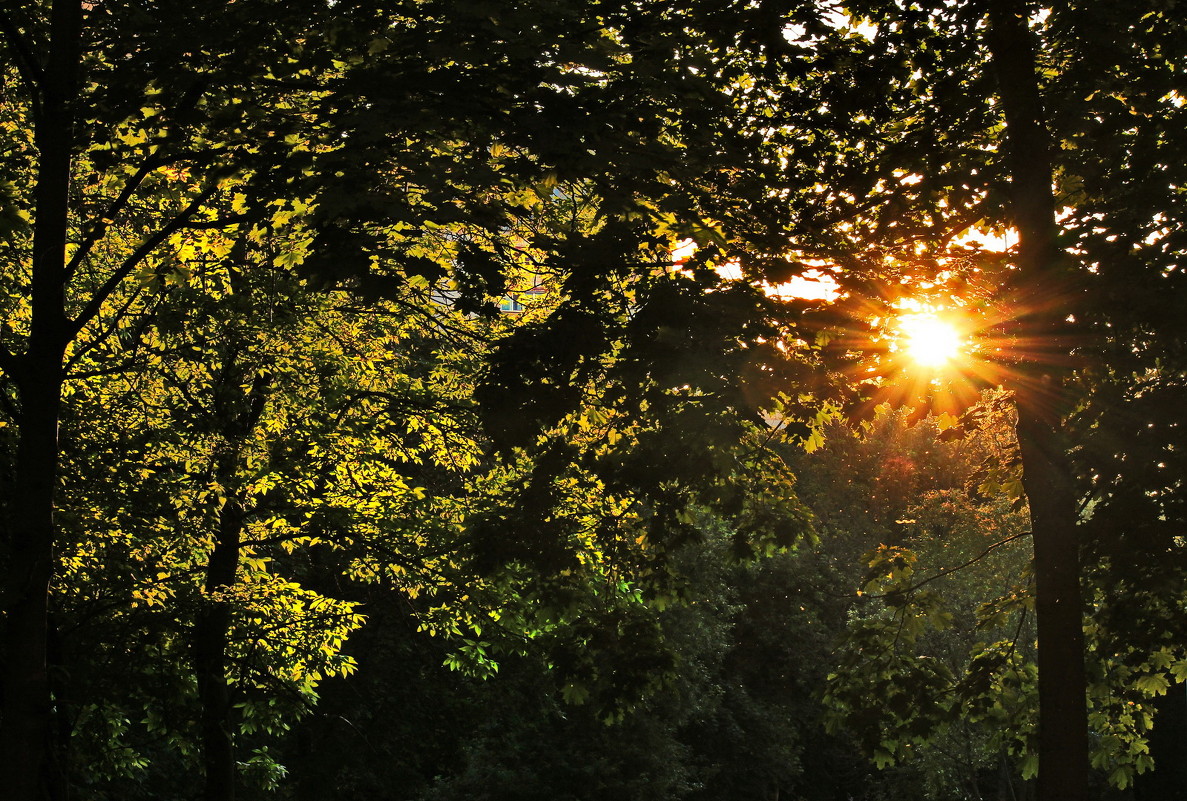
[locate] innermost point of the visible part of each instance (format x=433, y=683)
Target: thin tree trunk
x=1043, y=299
x=26, y=709
x=240, y=412
x=211, y=633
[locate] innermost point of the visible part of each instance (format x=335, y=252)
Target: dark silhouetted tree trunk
x=1043, y=296
x=210, y=660
x=240, y=412
x=25, y=714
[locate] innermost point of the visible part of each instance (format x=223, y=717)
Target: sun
x=930, y=341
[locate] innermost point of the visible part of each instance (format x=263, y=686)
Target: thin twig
x=945, y=571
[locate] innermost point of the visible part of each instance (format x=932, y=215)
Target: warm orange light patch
x=930, y=341
x=683, y=251
x=812, y=285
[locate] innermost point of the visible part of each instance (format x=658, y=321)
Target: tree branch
x=108, y=217
x=86, y=347
x=8, y=405
x=945, y=571
x=27, y=66
x=91, y=310
x=151, y=162
x=221, y=222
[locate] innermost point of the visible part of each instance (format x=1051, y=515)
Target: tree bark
x=1042, y=296
x=25, y=710
x=211, y=633
x=239, y=412
x=24, y=736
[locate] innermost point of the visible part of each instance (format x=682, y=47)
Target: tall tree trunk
x=37, y=373
x=25, y=730
x=211, y=633
x=1042, y=296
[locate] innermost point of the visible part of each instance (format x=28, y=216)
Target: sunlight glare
x=929, y=340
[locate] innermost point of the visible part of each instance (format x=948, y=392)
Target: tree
x=973, y=112
x=131, y=129
x=112, y=128
x=1041, y=400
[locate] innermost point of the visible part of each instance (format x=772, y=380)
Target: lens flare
x=930, y=341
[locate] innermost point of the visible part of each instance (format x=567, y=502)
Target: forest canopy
x=433, y=351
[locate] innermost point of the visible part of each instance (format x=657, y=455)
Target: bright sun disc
x=928, y=340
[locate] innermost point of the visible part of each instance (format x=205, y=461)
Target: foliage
x=934, y=669
x=253, y=256
x=227, y=427
x=921, y=152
